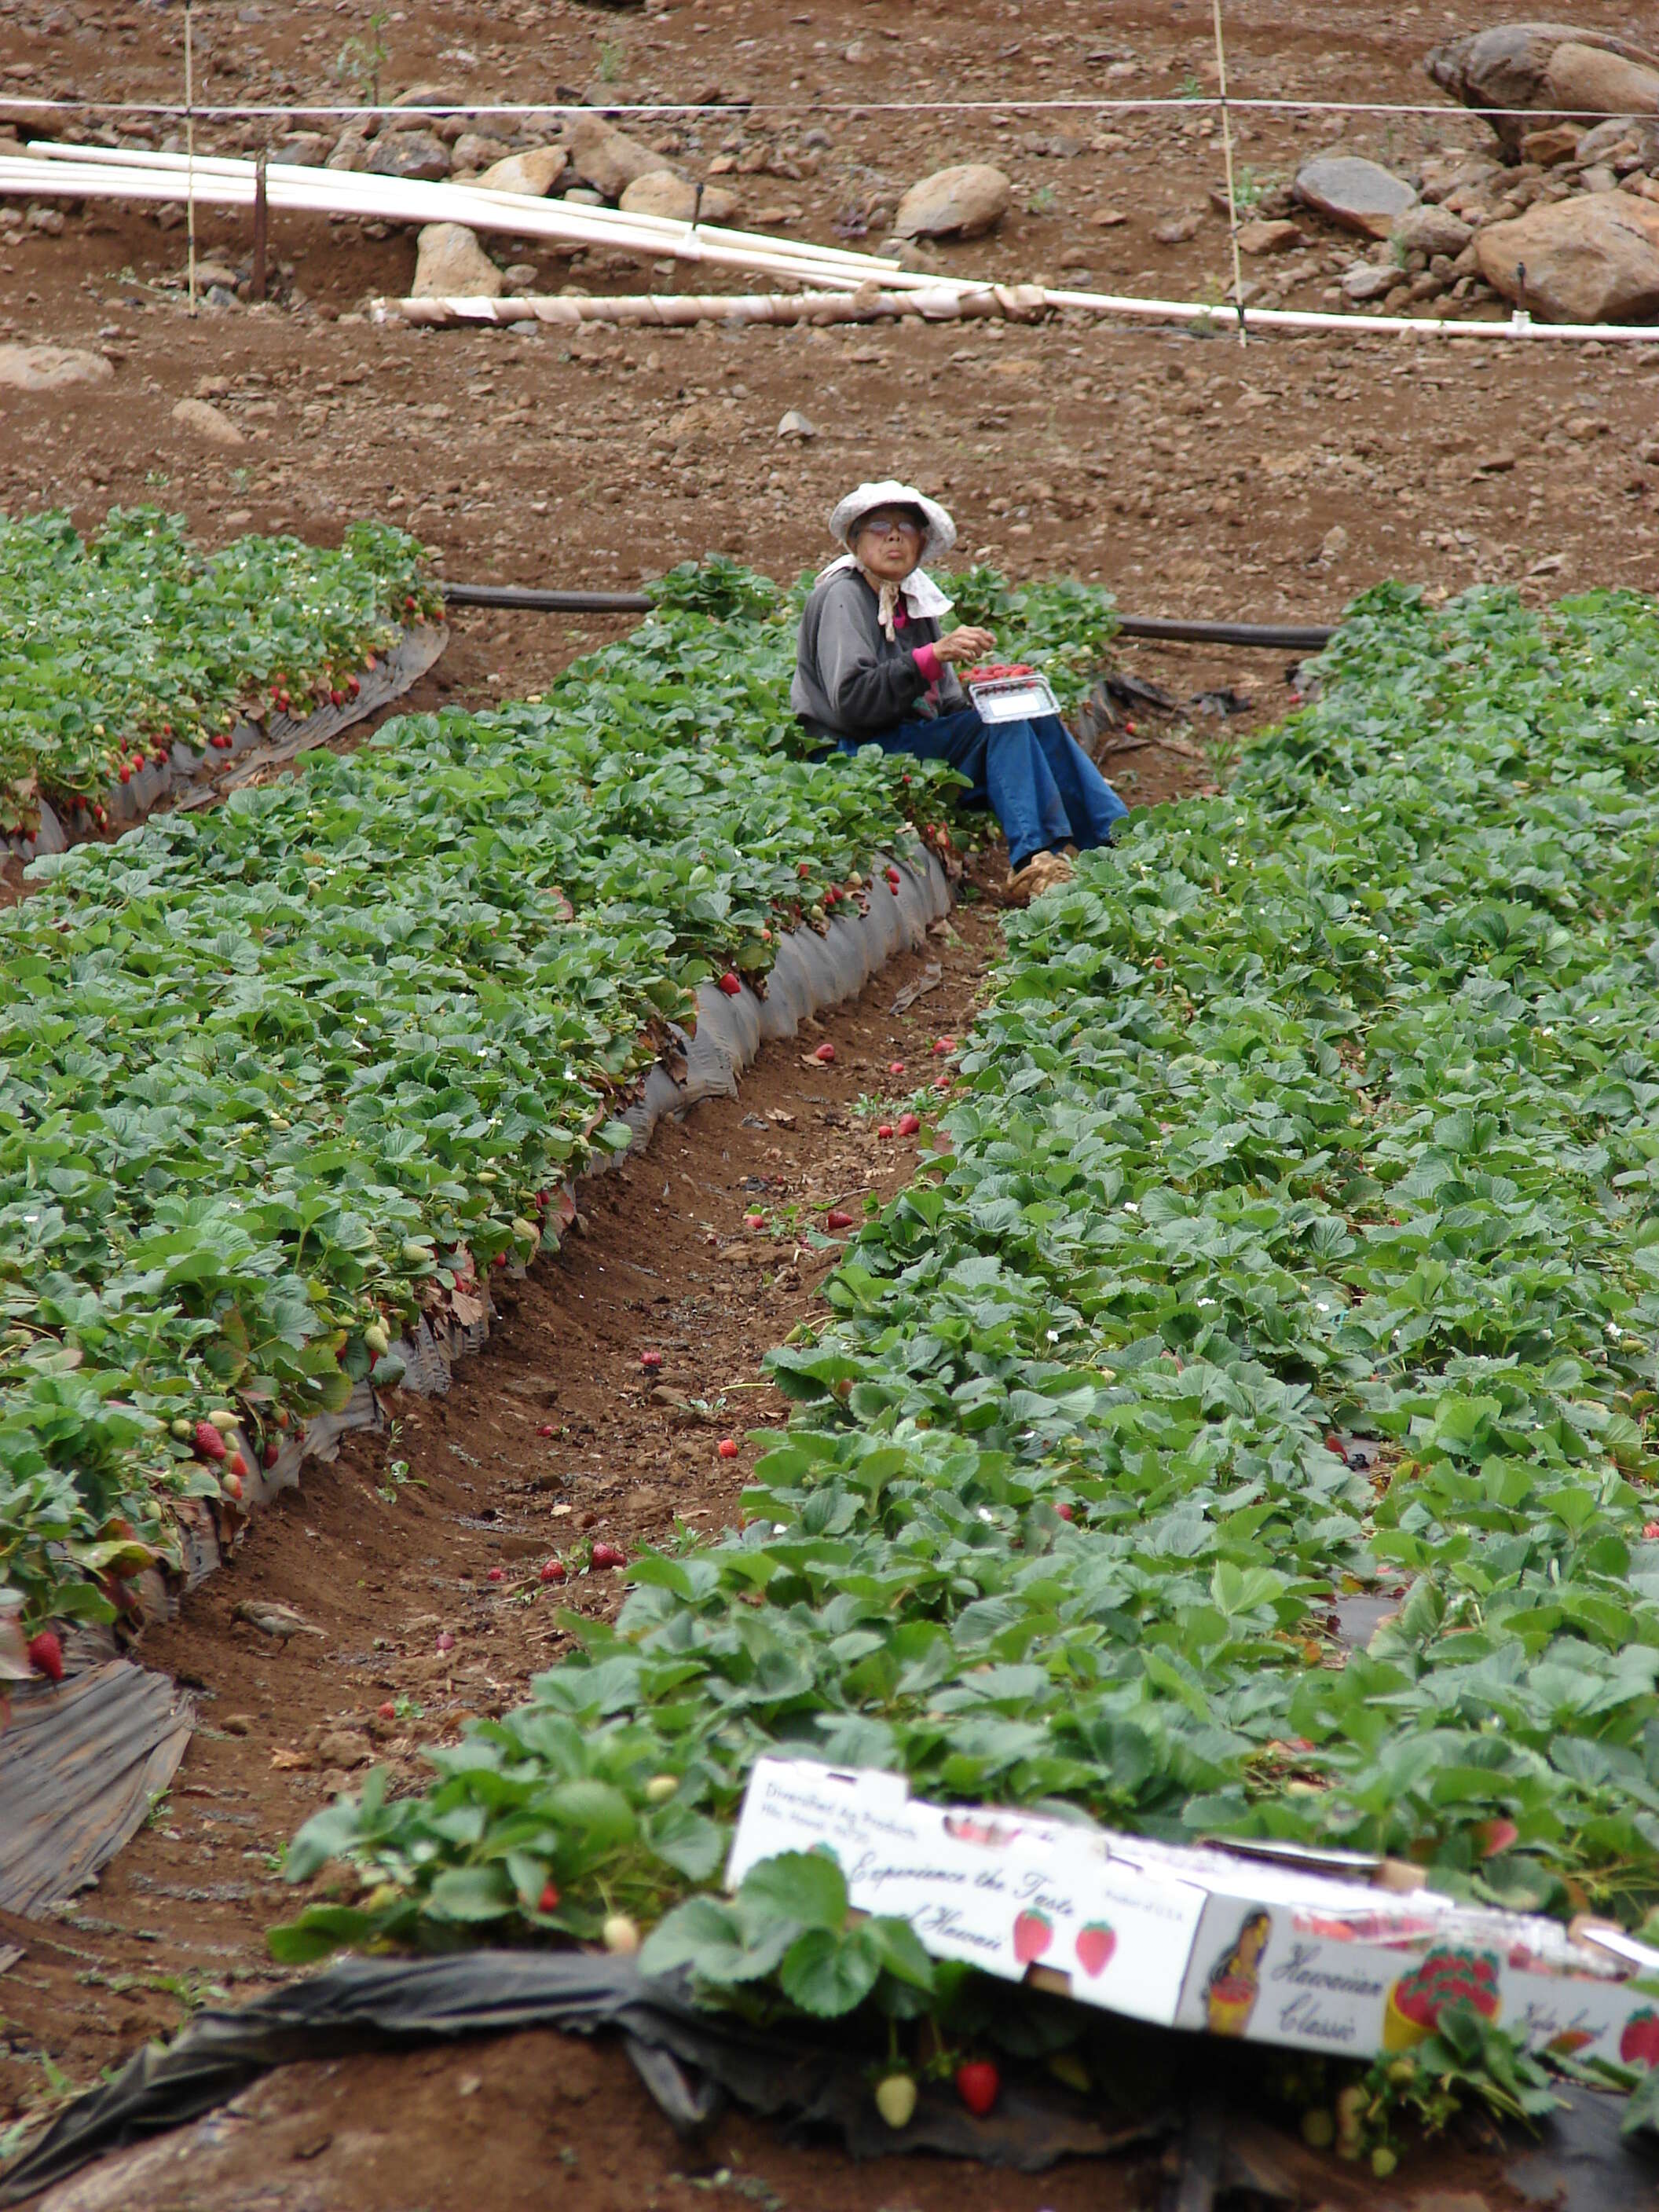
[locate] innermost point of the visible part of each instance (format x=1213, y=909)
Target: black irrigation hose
x=1277, y=637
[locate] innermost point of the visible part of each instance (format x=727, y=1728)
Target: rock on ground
x=306, y=150
x=205, y=421
x=1432, y=230
x=50, y=368
x=474, y=151
x=664, y=193
x=1358, y=194
x=1594, y=260
x=534, y=174
x=451, y=264
x=608, y=159
x=1546, y=66
x=1279, y=237
x=960, y=203
x=417, y=154
x=1369, y=280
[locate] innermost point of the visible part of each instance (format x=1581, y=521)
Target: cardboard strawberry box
x=1315, y=1950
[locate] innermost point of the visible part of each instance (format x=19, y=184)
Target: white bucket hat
x=941, y=531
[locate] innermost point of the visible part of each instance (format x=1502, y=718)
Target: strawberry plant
x=278, y=1079
x=1298, y=1236
x=119, y=649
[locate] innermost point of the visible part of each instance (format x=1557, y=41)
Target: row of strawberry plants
x=119, y=649
x=277, y=1078
x=1318, y=1111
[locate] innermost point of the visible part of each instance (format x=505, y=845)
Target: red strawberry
x=826, y=1052
x=730, y=984
x=651, y=1361
x=553, y=1572
x=895, y=1067
x=1495, y=1836
x=607, y=1555
x=1333, y=1444
x=336, y=698
x=836, y=1219
x=46, y=1655
x=353, y=685
x=445, y=1641
x=1065, y=1510
x=727, y=1447
x=1651, y=1529
x=754, y=1221
x=1095, y=1946
x=236, y=1465
x=1637, y=2046
x=269, y=1453
x=388, y=1710
x=497, y=1575
x=210, y=1444
x=941, y=1083
x=908, y=1124
x=549, y=1900
x=1033, y=1934
x=977, y=2085
x=127, y=774
x=544, y=1428
x=943, y=1045
x=804, y=868
x=883, y=1129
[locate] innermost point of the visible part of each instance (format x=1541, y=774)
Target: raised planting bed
x=131, y=663
x=1296, y=1249
x=287, y=1080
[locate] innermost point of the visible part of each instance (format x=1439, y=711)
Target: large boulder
x=50, y=368
x=1592, y=260
x=608, y=159
x=416, y=154
x=1557, y=69
x=1356, y=194
x=664, y=193
x=534, y=174
x=451, y=264
x=960, y=203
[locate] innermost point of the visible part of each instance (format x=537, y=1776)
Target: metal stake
x=257, y=288
x=190, y=152
x=1227, y=155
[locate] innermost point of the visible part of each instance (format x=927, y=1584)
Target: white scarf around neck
x=923, y=599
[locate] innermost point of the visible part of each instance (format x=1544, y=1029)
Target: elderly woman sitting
x=874, y=666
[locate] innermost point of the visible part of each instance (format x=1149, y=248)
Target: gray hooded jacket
x=850, y=681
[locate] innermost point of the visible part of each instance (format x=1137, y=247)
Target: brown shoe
x=1043, y=871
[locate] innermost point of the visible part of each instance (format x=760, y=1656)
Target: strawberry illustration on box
x=1445, y=1977
x=1639, y=2044
x=1033, y=1933
x=1095, y=1946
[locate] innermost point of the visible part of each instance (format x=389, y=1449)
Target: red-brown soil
x=1192, y=476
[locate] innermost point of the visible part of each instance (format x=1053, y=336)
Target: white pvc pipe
x=402, y=199
x=1518, y=325
x=79, y=172
x=605, y=219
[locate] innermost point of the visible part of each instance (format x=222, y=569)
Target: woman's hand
x=963, y=647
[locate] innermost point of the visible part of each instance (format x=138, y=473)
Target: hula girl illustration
x=1235, y=1981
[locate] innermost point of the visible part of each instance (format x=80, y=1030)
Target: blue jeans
x=1038, y=781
